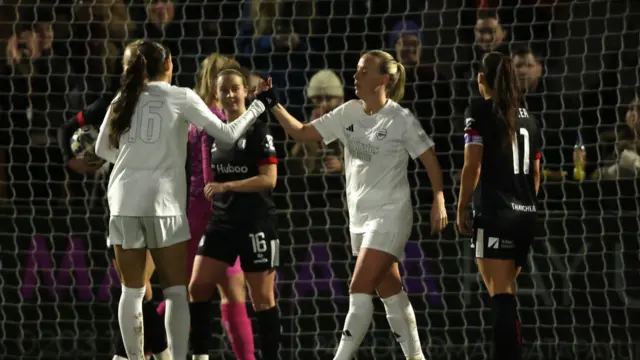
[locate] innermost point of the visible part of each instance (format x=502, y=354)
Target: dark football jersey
x=506, y=188
x=243, y=161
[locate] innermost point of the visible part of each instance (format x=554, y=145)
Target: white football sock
x=402, y=321
x=177, y=320
x=165, y=355
x=131, y=322
x=355, y=325
x=200, y=357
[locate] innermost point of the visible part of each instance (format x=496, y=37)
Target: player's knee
x=361, y=287
x=389, y=287
x=200, y=292
x=263, y=299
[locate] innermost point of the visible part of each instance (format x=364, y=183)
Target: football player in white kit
x=377, y=134
x=144, y=135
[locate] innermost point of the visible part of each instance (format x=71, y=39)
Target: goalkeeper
x=377, y=134
x=156, y=339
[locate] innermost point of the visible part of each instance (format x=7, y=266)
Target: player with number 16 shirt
x=243, y=223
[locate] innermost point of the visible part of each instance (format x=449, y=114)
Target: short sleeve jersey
x=243, y=161
x=506, y=187
x=376, y=154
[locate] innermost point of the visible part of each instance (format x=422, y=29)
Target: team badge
x=381, y=134
x=468, y=123
x=242, y=143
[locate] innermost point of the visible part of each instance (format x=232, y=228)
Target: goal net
x=579, y=295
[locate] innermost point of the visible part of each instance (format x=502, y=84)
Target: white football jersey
x=375, y=159
x=149, y=176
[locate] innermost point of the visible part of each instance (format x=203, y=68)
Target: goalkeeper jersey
x=506, y=188
x=376, y=155
x=149, y=166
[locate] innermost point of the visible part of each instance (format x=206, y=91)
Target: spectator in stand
x=273, y=37
x=619, y=150
x=553, y=109
x=326, y=93
x=98, y=32
x=489, y=35
x=528, y=20
x=169, y=23
x=426, y=92
x=32, y=105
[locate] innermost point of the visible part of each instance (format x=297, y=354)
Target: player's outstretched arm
x=197, y=112
x=294, y=128
x=103, y=148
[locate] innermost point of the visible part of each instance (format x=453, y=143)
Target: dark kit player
x=243, y=222
x=502, y=172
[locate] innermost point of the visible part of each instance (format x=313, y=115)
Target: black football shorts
x=504, y=240
x=255, y=242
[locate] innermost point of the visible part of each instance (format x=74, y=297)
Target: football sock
x=120, y=350
x=355, y=325
x=201, y=314
x=506, y=328
x=177, y=320
x=402, y=321
x=270, y=329
x=155, y=335
x=237, y=324
x=131, y=321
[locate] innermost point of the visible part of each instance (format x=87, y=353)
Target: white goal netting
x=579, y=296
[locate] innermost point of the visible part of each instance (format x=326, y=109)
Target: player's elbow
x=307, y=133
x=271, y=182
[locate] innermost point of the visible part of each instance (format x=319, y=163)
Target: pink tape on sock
x=160, y=309
x=238, y=327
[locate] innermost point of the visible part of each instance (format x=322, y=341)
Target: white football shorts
x=152, y=232
x=389, y=242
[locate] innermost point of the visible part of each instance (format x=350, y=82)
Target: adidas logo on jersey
x=230, y=169
x=349, y=128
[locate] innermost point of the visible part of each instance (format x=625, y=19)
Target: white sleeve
x=329, y=125
x=196, y=112
x=103, y=148
x=415, y=139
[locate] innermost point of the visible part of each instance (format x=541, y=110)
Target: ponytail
x=507, y=96
x=132, y=83
x=397, y=90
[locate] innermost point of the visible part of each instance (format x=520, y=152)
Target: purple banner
x=58, y=275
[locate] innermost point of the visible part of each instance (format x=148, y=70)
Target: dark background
x=578, y=297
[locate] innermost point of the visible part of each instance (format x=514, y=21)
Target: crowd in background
x=61, y=56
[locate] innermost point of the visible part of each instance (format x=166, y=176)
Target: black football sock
x=270, y=329
x=201, y=314
x=506, y=328
x=120, y=350
x=155, y=338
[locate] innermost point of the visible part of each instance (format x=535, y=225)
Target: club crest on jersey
x=381, y=134
x=242, y=143
x=468, y=123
